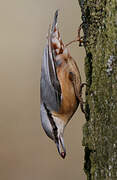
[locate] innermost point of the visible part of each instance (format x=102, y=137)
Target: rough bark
x=100, y=130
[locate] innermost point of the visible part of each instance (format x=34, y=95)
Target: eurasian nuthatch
x=60, y=87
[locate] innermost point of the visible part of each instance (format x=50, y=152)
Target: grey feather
x=45, y=122
x=55, y=20
x=49, y=84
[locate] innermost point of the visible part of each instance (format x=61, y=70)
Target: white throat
x=60, y=125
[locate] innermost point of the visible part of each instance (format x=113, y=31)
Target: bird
x=60, y=87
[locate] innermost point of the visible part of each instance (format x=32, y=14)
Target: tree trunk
x=100, y=130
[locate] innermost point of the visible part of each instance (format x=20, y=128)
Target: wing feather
x=49, y=84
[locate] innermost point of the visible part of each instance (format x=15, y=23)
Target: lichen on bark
x=100, y=130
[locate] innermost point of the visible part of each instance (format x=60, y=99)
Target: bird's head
x=54, y=128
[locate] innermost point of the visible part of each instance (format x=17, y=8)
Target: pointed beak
x=61, y=147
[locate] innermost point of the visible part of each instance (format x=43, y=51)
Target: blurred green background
x=26, y=153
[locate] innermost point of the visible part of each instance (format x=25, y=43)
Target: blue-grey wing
x=49, y=84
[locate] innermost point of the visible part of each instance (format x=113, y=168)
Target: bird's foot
x=80, y=98
x=78, y=38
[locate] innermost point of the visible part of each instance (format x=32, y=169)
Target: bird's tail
x=55, y=20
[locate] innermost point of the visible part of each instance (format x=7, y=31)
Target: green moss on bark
x=100, y=131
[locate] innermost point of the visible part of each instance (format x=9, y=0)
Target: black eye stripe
x=54, y=127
